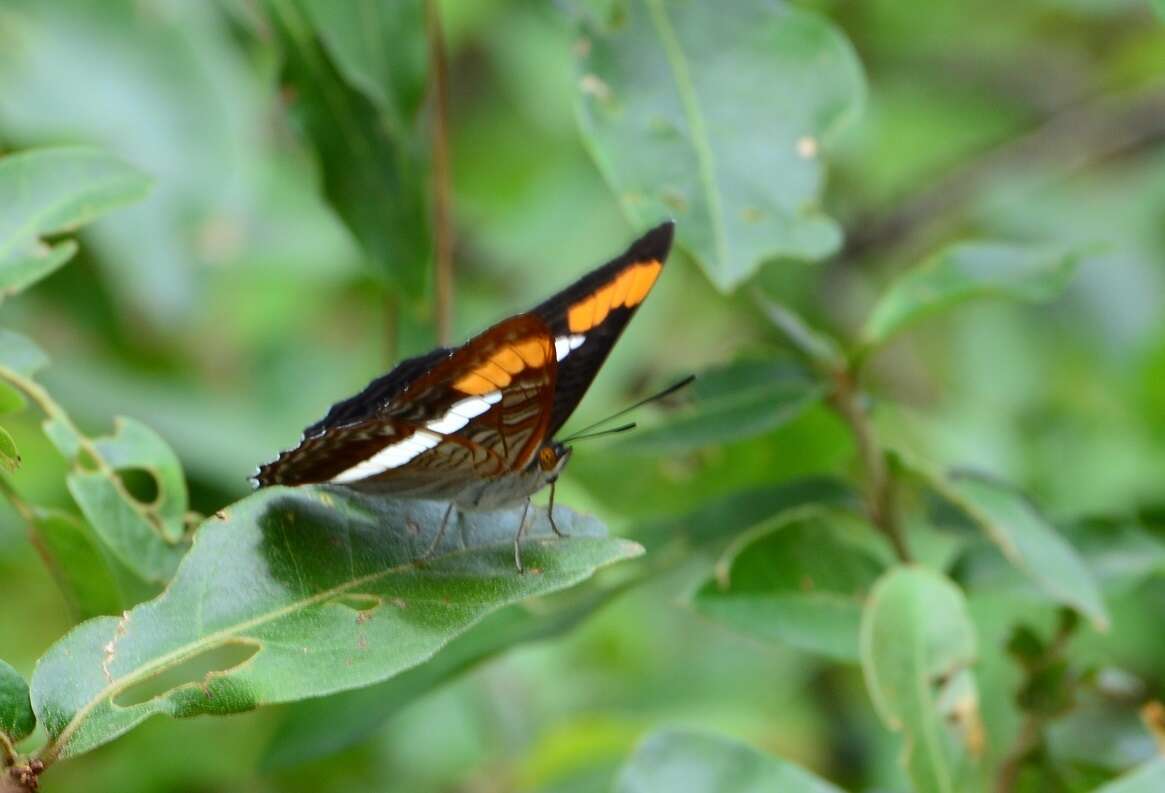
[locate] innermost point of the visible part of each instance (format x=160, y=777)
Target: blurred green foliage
x=919, y=268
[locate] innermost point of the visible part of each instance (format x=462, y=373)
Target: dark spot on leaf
x=399, y=603
x=806, y=583
x=141, y=484
x=221, y=514
x=198, y=673
x=752, y=215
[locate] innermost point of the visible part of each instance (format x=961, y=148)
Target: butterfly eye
x=548, y=458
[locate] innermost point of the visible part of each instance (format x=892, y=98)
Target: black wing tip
x=655, y=244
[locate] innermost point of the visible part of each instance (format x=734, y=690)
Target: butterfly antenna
x=671, y=389
x=601, y=433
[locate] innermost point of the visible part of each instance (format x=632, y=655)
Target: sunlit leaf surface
x=298, y=593
x=725, y=139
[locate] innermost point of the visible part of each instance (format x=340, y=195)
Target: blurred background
x=265, y=277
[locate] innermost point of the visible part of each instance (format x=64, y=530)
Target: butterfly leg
x=550, y=513
x=440, y=533
x=518, y=538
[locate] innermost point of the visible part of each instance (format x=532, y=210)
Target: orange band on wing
x=627, y=290
x=510, y=360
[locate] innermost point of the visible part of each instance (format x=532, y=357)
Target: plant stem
x=55, y=412
x=442, y=190
x=1031, y=733
x=881, y=504
x=7, y=753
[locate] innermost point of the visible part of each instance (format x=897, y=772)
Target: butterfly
x=475, y=425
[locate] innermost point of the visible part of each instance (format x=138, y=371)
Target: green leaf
x=17, y=721
x=1148, y=778
x=917, y=647
x=1159, y=7
x=378, y=47
x=11, y=400
x=9, y=455
x=50, y=191
x=320, y=727
x=739, y=401
x=1024, y=536
x=147, y=537
x=797, y=580
x=718, y=522
x=78, y=564
x=724, y=139
x=20, y=354
x=968, y=270
x=308, y=591
x=819, y=348
x=701, y=762
x=373, y=172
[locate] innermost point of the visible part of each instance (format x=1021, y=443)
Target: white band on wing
x=563, y=345
x=397, y=454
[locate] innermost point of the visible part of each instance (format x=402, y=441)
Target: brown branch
x=1075, y=138
x=21, y=778
x=442, y=189
x=880, y=484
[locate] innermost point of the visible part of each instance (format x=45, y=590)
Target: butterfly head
x=552, y=459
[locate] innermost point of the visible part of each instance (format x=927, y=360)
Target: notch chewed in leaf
x=328, y=589
x=198, y=673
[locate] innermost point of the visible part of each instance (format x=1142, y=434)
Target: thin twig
x=880, y=484
x=1031, y=732
x=442, y=189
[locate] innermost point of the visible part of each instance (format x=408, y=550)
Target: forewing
x=479, y=412
x=587, y=318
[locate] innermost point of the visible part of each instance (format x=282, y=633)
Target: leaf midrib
x=695, y=116
x=179, y=654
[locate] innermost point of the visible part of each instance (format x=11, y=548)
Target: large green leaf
x=307, y=592
x=373, y=170
x=700, y=762
x=379, y=49
x=78, y=563
x=714, y=113
x=965, y=271
x=735, y=402
x=1148, y=778
x=17, y=721
x=917, y=647
x=718, y=522
x=319, y=727
x=1024, y=536
x=50, y=191
x=147, y=536
x=798, y=580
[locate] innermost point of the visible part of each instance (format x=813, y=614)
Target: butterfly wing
x=588, y=317
x=476, y=412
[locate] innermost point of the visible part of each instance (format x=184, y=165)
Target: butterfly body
x=474, y=425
